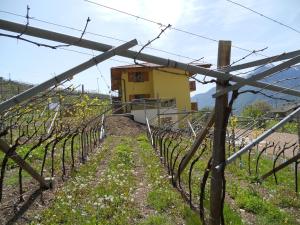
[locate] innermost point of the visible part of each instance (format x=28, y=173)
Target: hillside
x=206, y=100
x=10, y=88
x=125, y=181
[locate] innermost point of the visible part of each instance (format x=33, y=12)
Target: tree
x=256, y=109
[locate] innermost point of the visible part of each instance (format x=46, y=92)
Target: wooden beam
x=76, y=41
x=4, y=147
x=260, y=62
x=261, y=75
x=65, y=75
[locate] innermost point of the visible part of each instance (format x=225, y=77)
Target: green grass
x=109, y=197
x=231, y=216
x=266, y=200
x=157, y=220
x=91, y=197
x=87, y=199
x=35, y=160
x=163, y=197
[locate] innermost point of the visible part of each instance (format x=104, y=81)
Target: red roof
x=152, y=65
x=137, y=66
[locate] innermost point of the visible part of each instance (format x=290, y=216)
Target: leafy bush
x=256, y=109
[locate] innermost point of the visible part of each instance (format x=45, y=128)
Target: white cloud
x=172, y=12
x=165, y=12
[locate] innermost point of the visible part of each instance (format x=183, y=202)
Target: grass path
x=123, y=183
x=168, y=204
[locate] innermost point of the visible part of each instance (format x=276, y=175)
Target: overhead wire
x=172, y=28
x=264, y=16
x=101, y=75
x=96, y=34
x=152, y=21
x=39, y=44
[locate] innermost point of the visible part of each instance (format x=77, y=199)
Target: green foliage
x=108, y=197
x=290, y=127
x=256, y=109
x=268, y=203
x=286, y=198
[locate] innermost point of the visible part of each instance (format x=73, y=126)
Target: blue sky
x=217, y=19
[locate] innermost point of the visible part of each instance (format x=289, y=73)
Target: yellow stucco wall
x=134, y=88
x=170, y=85
x=162, y=84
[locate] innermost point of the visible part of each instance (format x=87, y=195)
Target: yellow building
x=150, y=81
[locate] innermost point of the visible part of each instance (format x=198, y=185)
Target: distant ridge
x=10, y=88
x=206, y=100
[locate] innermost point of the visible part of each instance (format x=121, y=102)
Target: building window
x=139, y=96
x=138, y=76
x=192, y=85
x=194, y=106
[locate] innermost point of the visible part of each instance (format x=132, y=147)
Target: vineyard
x=72, y=158
x=53, y=133
x=84, y=168
x=145, y=191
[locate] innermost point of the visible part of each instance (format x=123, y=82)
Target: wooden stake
x=218, y=154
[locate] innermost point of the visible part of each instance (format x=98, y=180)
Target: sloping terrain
x=123, y=183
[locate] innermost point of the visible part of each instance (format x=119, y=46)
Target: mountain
x=206, y=100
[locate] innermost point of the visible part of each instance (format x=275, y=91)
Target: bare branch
x=149, y=42
x=246, y=56
x=264, y=94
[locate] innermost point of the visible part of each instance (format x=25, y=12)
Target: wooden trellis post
x=218, y=154
x=296, y=163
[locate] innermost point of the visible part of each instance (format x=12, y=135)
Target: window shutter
x=146, y=76
x=130, y=77
x=192, y=85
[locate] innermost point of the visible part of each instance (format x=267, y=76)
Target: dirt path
x=123, y=126
x=50, y=195
x=141, y=193
x=276, y=137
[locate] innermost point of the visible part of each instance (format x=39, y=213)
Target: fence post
x=296, y=163
x=218, y=153
x=158, y=111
